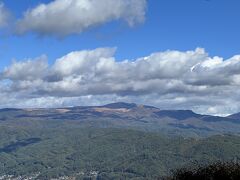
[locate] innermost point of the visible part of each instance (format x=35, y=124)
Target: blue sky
x=173, y=54
x=170, y=24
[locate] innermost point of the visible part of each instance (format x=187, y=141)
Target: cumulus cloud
x=169, y=80
x=4, y=15
x=64, y=17
x=26, y=70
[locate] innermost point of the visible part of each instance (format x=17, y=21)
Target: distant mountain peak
x=234, y=116
x=178, y=114
x=119, y=105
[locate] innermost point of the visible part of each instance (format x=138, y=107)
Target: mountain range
x=131, y=115
x=114, y=141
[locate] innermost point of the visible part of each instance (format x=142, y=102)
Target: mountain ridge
x=129, y=115
x=179, y=113
x=118, y=105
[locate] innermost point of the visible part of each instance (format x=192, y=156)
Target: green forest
x=104, y=153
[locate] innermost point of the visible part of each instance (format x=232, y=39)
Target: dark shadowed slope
x=235, y=116
x=178, y=114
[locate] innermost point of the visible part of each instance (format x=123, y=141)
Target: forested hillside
x=59, y=150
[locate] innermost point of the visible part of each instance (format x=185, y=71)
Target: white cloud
x=169, y=80
x=64, y=17
x=26, y=70
x=4, y=15
x=75, y=62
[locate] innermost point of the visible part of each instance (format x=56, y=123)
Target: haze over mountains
x=130, y=115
